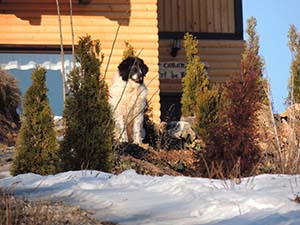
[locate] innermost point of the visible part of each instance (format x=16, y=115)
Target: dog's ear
x=143, y=67
x=124, y=68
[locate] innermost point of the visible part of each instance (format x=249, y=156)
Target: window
x=20, y=65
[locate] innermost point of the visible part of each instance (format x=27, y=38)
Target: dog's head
x=133, y=68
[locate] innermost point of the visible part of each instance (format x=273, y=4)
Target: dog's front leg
x=138, y=129
x=120, y=124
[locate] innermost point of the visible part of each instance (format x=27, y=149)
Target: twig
x=111, y=51
x=292, y=136
x=274, y=125
x=206, y=165
x=61, y=52
x=72, y=32
x=113, y=46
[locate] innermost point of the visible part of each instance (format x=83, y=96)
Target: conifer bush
x=294, y=80
x=206, y=115
x=10, y=100
x=229, y=127
x=233, y=147
x=10, y=96
x=195, y=80
x=253, y=45
x=87, y=143
x=289, y=160
x=36, y=147
x=129, y=50
x=199, y=99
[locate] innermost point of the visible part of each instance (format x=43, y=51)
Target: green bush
x=87, y=143
x=10, y=96
x=129, y=50
x=150, y=127
x=199, y=99
x=10, y=100
x=206, y=116
x=36, y=147
x=195, y=80
x=227, y=122
x=252, y=45
x=294, y=80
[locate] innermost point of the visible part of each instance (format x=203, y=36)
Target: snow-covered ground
x=130, y=198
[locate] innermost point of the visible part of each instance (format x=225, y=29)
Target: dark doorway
x=170, y=106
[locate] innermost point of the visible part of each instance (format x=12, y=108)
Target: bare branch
x=72, y=32
x=61, y=52
x=111, y=51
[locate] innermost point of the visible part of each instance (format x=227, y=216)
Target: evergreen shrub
x=87, y=143
x=36, y=148
x=195, y=80
x=233, y=147
x=10, y=100
x=294, y=80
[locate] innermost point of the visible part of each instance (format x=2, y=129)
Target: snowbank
x=130, y=198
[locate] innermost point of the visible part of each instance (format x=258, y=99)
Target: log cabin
x=155, y=28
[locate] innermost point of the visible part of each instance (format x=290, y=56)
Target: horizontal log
x=210, y=43
x=204, y=58
x=54, y=29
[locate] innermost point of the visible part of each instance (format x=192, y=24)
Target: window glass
x=21, y=65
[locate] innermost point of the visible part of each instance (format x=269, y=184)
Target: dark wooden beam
x=55, y=49
x=202, y=35
x=82, y=2
x=238, y=15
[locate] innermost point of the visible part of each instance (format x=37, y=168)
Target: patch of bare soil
x=147, y=160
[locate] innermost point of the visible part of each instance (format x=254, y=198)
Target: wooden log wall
x=35, y=22
x=221, y=56
x=196, y=16
x=221, y=46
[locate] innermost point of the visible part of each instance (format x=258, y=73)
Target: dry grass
x=16, y=211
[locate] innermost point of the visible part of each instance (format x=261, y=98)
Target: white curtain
x=26, y=61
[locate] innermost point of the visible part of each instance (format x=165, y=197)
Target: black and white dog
x=128, y=99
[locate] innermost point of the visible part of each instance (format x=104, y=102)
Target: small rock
x=181, y=130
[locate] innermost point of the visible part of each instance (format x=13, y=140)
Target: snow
x=130, y=198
